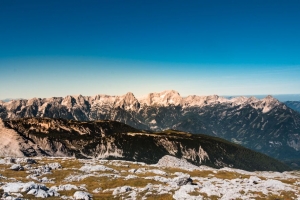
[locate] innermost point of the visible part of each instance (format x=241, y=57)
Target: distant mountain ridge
x=9, y=99
x=265, y=125
x=280, y=97
x=295, y=105
x=130, y=102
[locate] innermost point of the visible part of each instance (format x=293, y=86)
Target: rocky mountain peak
x=69, y=101
x=171, y=92
x=72, y=100
x=129, y=96
x=34, y=101
x=200, y=101
x=56, y=100
x=127, y=101
x=268, y=103
x=239, y=100
x=102, y=99
x=81, y=100
x=215, y=99
x=265, y=104
x=15, y=104
x=269, y=98
x=171, y=97
x=252, y=99
x=165, y=98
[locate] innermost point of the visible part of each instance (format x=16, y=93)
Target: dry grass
x=19, y=175
x=160, y=197
x=284, y=195
x=65, y=163
x=106, y=183
x=195, y=193
x=230, y=175
x=59, y=176
x=206, y=197
x=171, y=170
x=69, y=167
x=208, y=174
x=288, y=181
x=104, y=196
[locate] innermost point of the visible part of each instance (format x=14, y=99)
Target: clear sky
x=233, y=47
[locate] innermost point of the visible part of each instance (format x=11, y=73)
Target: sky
x=203, y=47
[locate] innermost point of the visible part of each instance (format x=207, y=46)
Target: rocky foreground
x=170, y=178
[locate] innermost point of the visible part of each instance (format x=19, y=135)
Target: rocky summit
x=264, y=125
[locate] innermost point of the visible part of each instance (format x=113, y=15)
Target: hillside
x=114, y=140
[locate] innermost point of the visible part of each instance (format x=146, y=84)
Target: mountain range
x=264, y=125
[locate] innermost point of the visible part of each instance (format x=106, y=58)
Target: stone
x=183, y=180
x=80, y=195
x=16, y=167
x=122, y=189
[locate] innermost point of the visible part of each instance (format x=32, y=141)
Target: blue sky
x=55, y=48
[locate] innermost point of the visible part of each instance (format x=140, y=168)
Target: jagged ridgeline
x=115, y=140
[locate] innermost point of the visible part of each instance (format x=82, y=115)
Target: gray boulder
x=16, y=167
x=80, y=195
x=183, y=180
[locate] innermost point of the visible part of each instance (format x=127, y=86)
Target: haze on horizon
x=57, y=48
